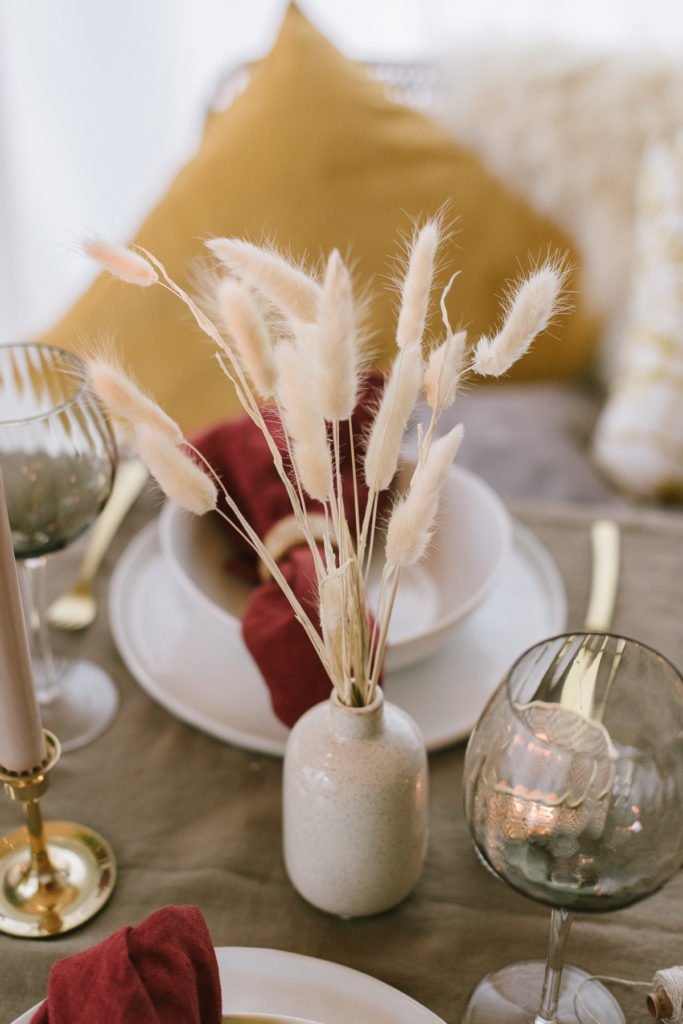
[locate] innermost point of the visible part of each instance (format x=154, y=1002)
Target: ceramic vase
x=355, y=814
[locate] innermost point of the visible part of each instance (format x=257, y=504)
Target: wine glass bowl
x=57, y=457
x=574, y=776
x=56, y=448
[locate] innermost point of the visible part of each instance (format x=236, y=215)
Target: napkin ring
x=287, y=534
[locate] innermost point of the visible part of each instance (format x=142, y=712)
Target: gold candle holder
x=54, y=875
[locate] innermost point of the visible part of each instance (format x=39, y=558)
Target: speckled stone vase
x=355, y=797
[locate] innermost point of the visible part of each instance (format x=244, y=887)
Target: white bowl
x=470, y=547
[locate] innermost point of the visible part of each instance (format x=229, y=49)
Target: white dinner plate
x=205, y=676
x=274, y=981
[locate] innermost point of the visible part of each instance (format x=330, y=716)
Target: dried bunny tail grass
x=444, y=370
x=529, y=309
x=126, y=264
x=386, y=435
x=243, y=321
x=335, y=351
x=124, y=399
x=305, y=338
x=412, y=520
x=331, y=611
x=332, y=604
x=303, y=421
x=313, y=462
x=417, y=284
x=284, y=284
x=294, y=392
x=178, y=475
x=368, y=345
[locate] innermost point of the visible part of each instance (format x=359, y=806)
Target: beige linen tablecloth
x=193, y=820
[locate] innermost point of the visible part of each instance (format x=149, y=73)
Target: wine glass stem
x=560, y=923
x=46, y=678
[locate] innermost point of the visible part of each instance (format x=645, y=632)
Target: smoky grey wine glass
x=574, y=797
x=57, y=457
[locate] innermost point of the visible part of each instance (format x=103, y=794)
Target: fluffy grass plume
x=412, y=520
x=244, y=322
x=313, y=462
x=398, y=401
x=124, y=399
x=126, y=264
x=334, y=615
x=529, y=309
x=417, y=285
x=302, y=420
x=303, y=354
x=289, y=288
x=179, y=476
x=443, y=371
x=334, y=349
x=295, y=393
x=331, y=601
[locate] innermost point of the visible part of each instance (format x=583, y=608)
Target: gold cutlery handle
x=603, y=592
x=130, y=479
x=581, y=685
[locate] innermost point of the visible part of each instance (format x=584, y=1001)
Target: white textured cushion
x=639, y=437
x=566, y=127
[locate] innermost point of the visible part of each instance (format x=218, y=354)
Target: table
x=193, y=820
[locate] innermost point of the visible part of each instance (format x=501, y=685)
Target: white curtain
x=101, y=102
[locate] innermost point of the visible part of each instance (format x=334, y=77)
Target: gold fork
x=77, y=607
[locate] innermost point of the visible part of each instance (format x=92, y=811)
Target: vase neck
x=351, y=723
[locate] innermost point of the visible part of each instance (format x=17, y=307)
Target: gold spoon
x=77, y=607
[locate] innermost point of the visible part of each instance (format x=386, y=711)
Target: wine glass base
x=86, y=705
x=512, y=996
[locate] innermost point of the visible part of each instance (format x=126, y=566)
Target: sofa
x=524, y=152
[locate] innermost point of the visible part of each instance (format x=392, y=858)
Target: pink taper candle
x=22, y=744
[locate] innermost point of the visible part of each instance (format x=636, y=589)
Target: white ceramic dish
x=203, y=674
x=264, y=1018
x=274, y=981
x=471, y=546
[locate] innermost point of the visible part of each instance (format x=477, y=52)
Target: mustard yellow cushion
x=314, y=155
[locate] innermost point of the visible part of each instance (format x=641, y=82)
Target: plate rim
x=131, y=559
x=142, y=539
x=232, y=957
x=324, y=966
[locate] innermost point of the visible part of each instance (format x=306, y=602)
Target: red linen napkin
x=240, y=455
x=164, y=971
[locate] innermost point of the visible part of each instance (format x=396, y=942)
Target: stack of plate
x=486, y=592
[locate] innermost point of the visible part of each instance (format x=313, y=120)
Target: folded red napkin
x=164, y=971
x=240, y=455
